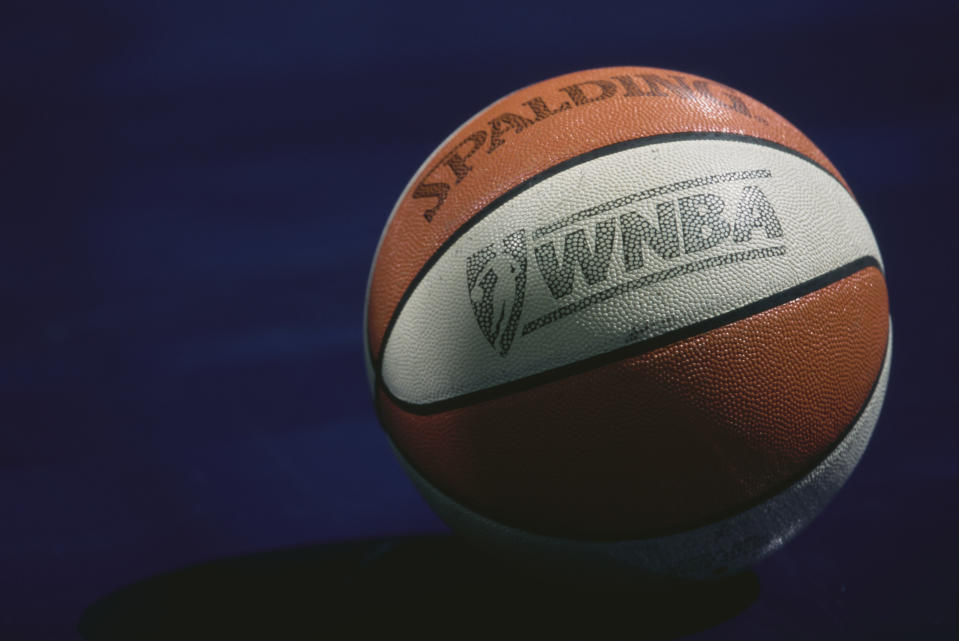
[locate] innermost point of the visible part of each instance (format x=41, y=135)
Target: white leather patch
x=615, y=250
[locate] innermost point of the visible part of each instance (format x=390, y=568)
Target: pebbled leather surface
x=437, y=351
x=666, y=440
x=536, y=128
x=716, y=549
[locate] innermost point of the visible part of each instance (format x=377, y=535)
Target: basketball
x=628, y=320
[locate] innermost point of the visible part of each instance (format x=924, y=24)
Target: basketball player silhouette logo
x=496, y=277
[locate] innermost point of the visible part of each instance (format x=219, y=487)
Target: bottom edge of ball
x=715, y=550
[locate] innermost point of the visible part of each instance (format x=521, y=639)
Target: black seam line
x=555, y=169
x=695, y=524
x=635, y=349
x=650, y=279
x=646, y=194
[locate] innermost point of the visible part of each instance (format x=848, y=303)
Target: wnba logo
x=668, y=230
x=496, y=277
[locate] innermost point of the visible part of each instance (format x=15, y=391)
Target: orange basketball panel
x=667, y=439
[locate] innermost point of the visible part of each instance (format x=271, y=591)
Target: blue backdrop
x=192, y=194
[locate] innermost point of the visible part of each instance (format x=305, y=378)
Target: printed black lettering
x=579, y=96
x=431, y=190
x=630, y=86
x=503, y=123
x=657, y=83
x=703, y=227
x=754, y=211
x=593, y=264
x=456, y=162
x=542, y=111
x=638, y=231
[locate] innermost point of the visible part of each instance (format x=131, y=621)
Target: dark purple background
x=192, y=194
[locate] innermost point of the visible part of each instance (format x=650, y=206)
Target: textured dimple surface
x=633, y=244
x=720, y=547
x=539, y=127
x=668, y=439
